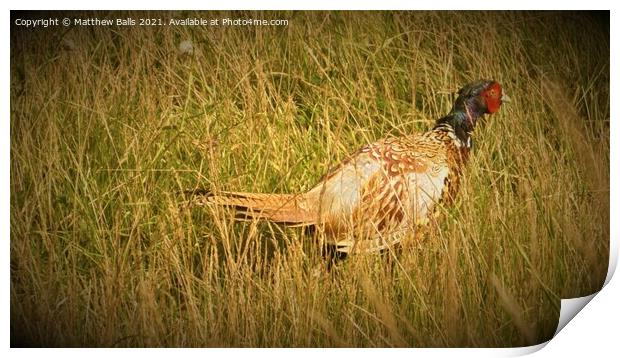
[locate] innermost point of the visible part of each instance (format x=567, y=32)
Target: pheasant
x=368, y=201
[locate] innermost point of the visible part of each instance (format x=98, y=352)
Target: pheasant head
x=480, y=97
x=474, y=100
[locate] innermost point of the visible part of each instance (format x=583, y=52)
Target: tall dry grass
x=107, y=132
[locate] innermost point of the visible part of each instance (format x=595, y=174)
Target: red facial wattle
x=493, y=97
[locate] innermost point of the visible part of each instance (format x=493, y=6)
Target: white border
x=595, y=328
x=316, y=5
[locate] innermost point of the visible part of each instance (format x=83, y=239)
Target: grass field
x=109, y=124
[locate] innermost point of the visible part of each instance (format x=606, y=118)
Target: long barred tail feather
x=280, y=208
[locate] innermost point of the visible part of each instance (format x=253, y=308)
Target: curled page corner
x=569, y=309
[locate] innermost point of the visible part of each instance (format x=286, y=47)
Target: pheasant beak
x=505, y=98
